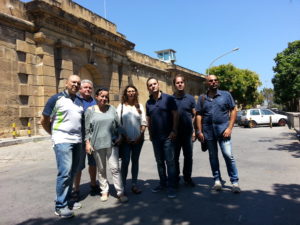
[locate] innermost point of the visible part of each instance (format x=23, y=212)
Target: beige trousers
x=110, y=155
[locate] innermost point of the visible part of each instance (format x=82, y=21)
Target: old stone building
x=42, y=42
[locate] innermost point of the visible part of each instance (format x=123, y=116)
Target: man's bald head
x=73, y=84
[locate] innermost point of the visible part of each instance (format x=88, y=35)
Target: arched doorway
x=85, y=74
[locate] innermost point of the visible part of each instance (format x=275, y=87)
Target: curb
x=9, y=141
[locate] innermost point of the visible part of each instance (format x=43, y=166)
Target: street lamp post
x=226, y=53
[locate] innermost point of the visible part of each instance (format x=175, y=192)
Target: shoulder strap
x=121, y=117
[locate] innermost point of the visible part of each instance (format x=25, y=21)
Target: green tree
x=268, y=95
x=241, y=83
x=286, y=80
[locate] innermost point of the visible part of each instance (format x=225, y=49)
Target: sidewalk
x=21, y=140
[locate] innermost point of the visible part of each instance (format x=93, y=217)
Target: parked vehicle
x=238, y=117
x=253, y=117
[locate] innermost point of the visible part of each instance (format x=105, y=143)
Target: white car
x=253, y=117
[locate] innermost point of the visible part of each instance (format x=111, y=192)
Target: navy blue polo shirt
x=215, y=113
x=185, y=105
x=160, y=113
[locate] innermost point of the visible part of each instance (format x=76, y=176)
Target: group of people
x=81, y=125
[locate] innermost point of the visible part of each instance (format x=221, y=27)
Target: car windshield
x=254, y=112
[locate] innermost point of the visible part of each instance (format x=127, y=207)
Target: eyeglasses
x=213, y=80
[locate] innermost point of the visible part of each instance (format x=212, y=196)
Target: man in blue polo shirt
x=186, y=133
x=85, y=94
x=161, y=111
x=216, y=114
x=62, y=117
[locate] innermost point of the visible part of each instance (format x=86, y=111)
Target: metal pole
x=226, y=53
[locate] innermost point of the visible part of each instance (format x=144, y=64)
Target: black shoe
x=95, y=190
x=190, y=183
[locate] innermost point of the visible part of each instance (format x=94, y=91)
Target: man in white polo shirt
x=61, y=118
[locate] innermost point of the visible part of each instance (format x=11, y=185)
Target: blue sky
x=201, y=30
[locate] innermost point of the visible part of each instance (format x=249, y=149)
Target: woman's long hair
x=124, y=99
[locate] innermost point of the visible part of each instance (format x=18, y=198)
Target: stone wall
x=43, y=42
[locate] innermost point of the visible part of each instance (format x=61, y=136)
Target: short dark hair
x=150, y=78
x=178, y=75
x=100, y=90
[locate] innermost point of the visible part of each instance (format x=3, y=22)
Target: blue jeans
x=225, y=145
x=185, y=142
x=126, y=151
x=164, y=155
x=67, y=159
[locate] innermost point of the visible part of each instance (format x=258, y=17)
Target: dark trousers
x=185, y=143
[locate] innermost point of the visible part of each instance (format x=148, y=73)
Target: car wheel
x=252, y=124
x=282, y=122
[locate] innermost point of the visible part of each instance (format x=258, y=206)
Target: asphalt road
x=268, y=160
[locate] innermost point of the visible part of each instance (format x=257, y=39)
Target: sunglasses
x=213, y=80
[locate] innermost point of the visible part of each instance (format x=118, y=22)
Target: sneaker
x=171, y=193
x=64, y=212
x=190, y=183
x=217, y=186
x=104, y=197
x=76, y=205
x=95, y=190
x=123, y=198
x=158, y=189
x=236, y=188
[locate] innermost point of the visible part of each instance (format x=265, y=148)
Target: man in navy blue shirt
x=216, y=114
x=85, y=94
x=186, y=133
x=161, y=111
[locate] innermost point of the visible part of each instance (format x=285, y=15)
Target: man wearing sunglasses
x=216, y=114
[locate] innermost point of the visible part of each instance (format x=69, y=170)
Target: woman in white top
x=133, y=120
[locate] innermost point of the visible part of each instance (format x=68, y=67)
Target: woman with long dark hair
x=133, y=121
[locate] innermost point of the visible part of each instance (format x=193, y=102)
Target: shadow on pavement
x=196, y=205
x=292, y=147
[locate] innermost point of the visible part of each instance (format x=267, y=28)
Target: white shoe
x=217, y=186
x=104, y=197
x=236, y=188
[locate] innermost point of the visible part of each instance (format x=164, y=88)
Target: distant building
x=43, y=42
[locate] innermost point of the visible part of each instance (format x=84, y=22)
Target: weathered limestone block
x=67, y=64
x=22, y=67
x=31, y=59
x=44, y=50
x=24, y=89
x=23, y=46
x=10, y=54
x=2, y=51
x=29, y=38
x=45, y=70
x=65, y=73
x=41, y=101
x=48, y=60
x=46, y=80
x=26, y=111
x=31, y=69
x=46, y=91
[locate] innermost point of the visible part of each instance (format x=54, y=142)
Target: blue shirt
x=161, y=117
x=215, y=113
x=185, y=105
x=86, y=105
x=66, y=115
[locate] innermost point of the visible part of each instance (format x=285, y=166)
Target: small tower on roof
x=167, y=55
